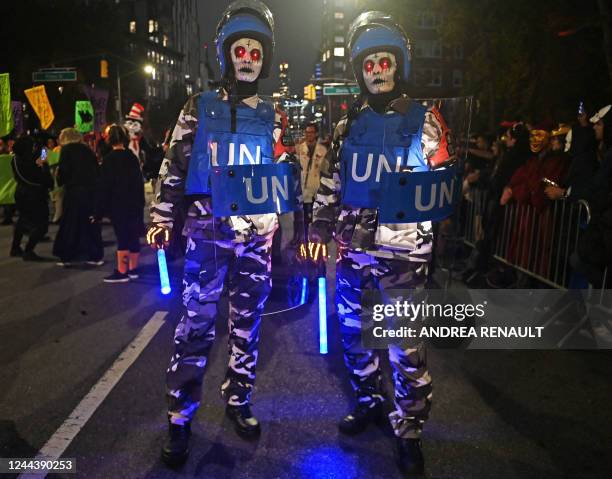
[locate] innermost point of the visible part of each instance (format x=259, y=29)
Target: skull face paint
x=379, y=72
x=247, y=57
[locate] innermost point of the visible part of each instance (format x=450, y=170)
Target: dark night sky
x=297, y=35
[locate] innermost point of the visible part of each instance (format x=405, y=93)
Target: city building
x=337, y=16
x=284, y=80
x=164, y=35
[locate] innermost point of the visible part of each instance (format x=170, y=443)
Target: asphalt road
x=497, y=414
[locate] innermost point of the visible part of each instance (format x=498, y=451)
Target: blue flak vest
x=378, y=144
x=216, y=145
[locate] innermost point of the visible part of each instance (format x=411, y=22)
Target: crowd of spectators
x=91, y=178
x=535, y=166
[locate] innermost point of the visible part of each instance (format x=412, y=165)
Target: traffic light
x=310, y=93
x=103, y=69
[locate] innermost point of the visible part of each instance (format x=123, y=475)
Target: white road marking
x=61, y=439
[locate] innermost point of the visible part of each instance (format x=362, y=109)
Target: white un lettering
x=275, y=187
x=445, y=196
x=382, y=163
x=243, y=153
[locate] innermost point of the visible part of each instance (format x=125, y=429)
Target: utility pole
x=119, y=115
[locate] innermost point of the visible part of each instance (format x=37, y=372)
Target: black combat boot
x=359, y=419
x=246, y=425
x=409, y=457
x=176, y=447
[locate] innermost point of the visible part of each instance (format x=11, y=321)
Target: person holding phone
x=34, y=181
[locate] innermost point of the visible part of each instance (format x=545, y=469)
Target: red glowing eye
x=385, y=63
x=368, y=66
x=255, y=54
x=240, y=52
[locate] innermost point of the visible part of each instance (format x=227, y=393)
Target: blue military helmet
x=376, y=31
x=245, y=19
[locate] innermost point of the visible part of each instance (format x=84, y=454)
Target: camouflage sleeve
x=173, y=171
x=327, y=199
x=435, y=140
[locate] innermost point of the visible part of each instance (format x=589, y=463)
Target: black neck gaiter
x=379, y=102
x=246, y=89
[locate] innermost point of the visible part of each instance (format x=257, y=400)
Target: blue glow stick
x=304, y=290
x=164, y=280
x=322, y=315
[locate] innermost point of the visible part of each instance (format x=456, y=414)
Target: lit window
x=156, y=25
x=132, y=26
x=339, y=15
x=339, y=39
x=339, y=52
x=165, y=40
x=151, y=26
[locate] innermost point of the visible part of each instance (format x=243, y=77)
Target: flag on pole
x=17, y=107
x=99, y=100
x=6, y=112
x=37, y=96
x=84, y=116
x=7, y=181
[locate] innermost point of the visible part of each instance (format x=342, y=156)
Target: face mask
x=247, y=57
x=538, y=140
x=379, y=72
x=133, y=127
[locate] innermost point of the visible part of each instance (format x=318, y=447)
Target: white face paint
x=133, y=127
x=247, y=57
x=379, y=72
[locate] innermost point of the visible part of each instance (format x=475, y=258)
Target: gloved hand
x=158, y=236
x=316, y=252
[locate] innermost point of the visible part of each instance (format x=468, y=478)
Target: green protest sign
x=6, y=112
x=7, y=182
x=84, y=116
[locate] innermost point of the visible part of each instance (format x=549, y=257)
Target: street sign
x=341, y=90
x=54, y=75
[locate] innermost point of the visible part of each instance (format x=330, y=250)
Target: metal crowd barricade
x=474, y=209
x=540, y=242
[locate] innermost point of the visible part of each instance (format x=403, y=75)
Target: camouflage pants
x=356, y=272
x=207, y=264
